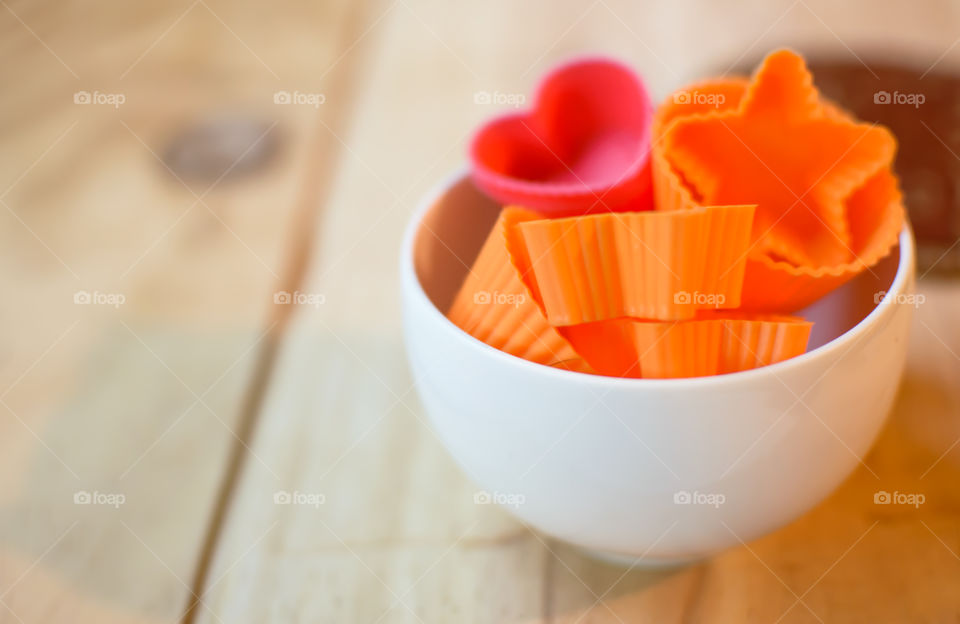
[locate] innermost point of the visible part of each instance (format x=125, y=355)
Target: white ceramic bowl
x=663, y=470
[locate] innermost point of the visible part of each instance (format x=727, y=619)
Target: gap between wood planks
x=321, y=163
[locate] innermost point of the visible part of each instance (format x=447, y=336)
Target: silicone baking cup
x=496, y=306
x=828, y=205
x=714, y=343
x=502, y=300
x=583, y=147
x=606, y=347
x=718, y=346
x=653, y=265
x=753, y=340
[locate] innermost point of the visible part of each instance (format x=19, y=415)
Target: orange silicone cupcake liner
x=577, y=365
x=717, y=344
x=495, y=306
x=607, y=347
x=679, y=349
x=649, y=265
x=748, y=344
x=753, y=340
x=714, y=343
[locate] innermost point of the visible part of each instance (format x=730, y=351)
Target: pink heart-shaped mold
x=584, y=146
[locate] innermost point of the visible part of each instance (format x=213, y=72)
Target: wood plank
x=143, y=400
x=377, y=551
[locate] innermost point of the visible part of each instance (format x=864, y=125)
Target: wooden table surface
x=183, y=410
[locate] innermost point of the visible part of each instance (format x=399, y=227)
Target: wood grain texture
x=142, y=400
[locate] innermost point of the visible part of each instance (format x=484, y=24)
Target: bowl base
x=642, y=563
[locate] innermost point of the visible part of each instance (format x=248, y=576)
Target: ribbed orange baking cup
x=577, y=365
x=607, y=347
x=717, y=343
x=651, y=265
x=494, y=304
x=753, y=340
x=679, y=349
x=714, y=343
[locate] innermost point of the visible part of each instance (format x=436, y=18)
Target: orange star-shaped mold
x=774, y=142
x=780, y=151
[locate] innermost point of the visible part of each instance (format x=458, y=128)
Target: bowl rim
x=411, y=287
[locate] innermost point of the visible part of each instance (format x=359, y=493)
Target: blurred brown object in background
x=218, y=147
x=922, y=109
